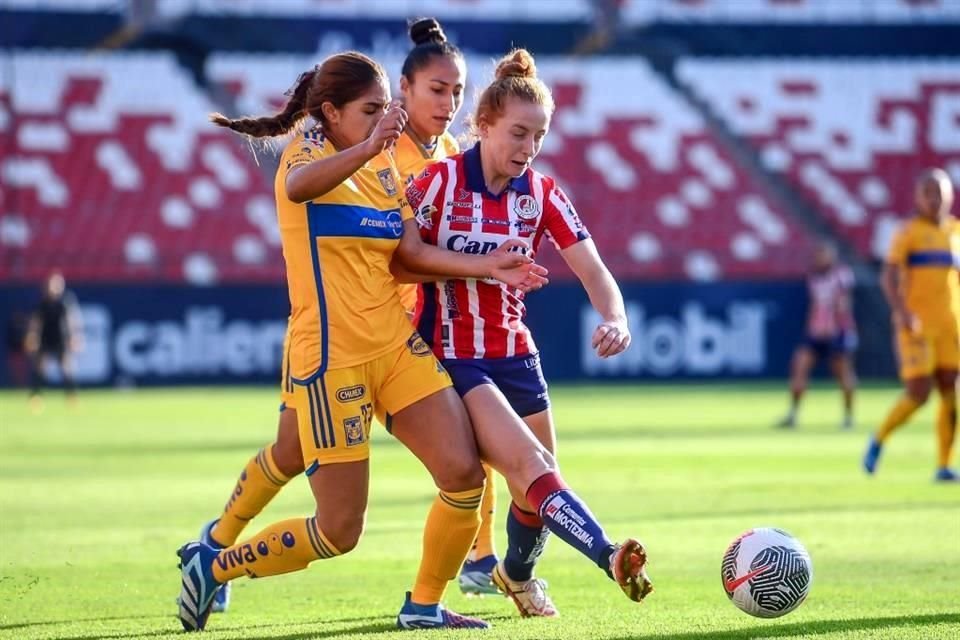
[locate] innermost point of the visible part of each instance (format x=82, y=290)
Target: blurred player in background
x=921, y=283
x=352, y=349
x=474, y=202
x=831, y=333
x=432, y=82
x=54, y=334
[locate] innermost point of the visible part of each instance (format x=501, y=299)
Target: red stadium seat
x=850, y=136
x=661, y=196
x=114, y=173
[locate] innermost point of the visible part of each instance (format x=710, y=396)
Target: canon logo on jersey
x=462, y=243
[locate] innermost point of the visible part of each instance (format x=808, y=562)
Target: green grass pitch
x=95, y=499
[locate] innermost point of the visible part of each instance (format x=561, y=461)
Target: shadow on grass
x=40, y=623
x=811, y=628
x=258, y=631
x=386, y=624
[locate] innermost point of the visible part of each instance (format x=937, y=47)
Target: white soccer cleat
x=530, y=596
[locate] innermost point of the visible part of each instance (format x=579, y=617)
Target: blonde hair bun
x=516, y=64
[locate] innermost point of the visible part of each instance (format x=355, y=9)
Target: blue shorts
x=519, y=378
x=841, y=344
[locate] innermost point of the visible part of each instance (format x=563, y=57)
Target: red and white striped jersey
x=479, y=318
x=830, y=311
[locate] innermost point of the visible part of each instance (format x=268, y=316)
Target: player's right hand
x=388, y=129
x=908, y=321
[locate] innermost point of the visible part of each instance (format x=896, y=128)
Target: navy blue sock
x=568, y=517
x=526, y=539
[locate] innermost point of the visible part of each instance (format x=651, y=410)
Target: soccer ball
x=766, y=572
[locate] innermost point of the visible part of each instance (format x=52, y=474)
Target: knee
x=919, y=391
x=529, y=464
x=343, y=529
x=849, y=381
x=462, y=473
x=287, y=453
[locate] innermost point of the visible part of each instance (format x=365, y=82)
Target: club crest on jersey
x=386, y=179
x=353, y=430
x=418, y=345
x=425, y=216
x=526, y=207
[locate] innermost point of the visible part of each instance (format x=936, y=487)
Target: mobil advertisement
x=683, y=330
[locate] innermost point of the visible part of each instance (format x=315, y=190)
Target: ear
x=330, y=113
x=404, y=85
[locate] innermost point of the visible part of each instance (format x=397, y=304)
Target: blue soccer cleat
x=946, y=474
x=222, y=598
x=198, y=587
x=434, y=616
x=476, y=577
x=872, y=456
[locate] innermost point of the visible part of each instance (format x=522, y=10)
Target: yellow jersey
x=412, y=158
x=344, y=305
x=928, y=255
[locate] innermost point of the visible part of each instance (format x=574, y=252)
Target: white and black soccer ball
x=766, y=572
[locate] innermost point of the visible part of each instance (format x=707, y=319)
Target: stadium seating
x=113, y=172
x=849, y=135
x=661, y=196
x=633, y=11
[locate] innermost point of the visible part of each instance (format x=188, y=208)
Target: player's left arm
x=403, y=275
x=563, y=226
x=612, y=336
x=511, y=266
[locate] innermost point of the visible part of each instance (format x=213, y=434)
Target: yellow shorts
x=935, y=348
x=335, y=409
x=286, y=385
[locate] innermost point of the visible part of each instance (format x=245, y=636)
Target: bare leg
x=803, y=361
x=842, y=366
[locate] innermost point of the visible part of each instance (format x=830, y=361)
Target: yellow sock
x=289, y=545
x=447, y=536
x=898, y=415
x=483, y=546
x=946, y=428
x=259, y=482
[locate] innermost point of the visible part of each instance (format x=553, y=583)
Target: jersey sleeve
x=899, y=248
x=424, y=195
x=560, y=220
x=304, y=149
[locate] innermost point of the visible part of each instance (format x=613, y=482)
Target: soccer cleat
x=788, y=422
x=946, y=474
x=530, y=596
x=434, y=616
x=222, y=598
x=847, y=423
x=475, y=577
x=872, y=456
x=628, y=568
x=198, y=587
